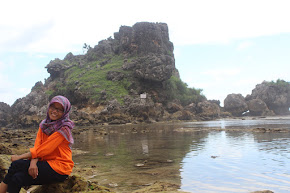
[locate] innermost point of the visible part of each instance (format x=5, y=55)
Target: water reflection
x=198, y=160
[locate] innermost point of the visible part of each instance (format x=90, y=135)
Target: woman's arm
x=33, y=169
x=22, y=156
x=48, y=146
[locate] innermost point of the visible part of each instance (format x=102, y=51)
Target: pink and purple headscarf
x=63, y=125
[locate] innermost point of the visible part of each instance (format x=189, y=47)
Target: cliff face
x=128, y=78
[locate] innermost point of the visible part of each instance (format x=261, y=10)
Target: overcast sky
x=222, y=47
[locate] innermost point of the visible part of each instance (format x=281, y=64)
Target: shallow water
x=194, y=155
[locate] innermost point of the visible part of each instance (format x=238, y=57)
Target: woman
x=50, y=160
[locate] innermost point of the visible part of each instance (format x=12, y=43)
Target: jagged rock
x=72, y=184
x=2, y=170
x=257, y=107
x=138, y=107
x=173, y=107
x=160, y=187
x=69, y=56
x=144, y=38
x=115, y=76
x=151, y=43
x=191, y=107
x=113, y=106
x=100, y=51
x=235, y=104
x=215, y=101
x=56, y=68
x=5, y=114
x=4, y=165
x=208, y=110
x=277, y=98
x=30, y=110
x=152, y=67
x=5, y=150
x=182, y=115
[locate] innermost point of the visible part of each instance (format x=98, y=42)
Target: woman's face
x=55, y=111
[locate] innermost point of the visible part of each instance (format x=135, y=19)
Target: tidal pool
x=211, y=156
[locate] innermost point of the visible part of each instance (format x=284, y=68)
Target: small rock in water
x=139, y=164
x=113, y=184
x=109, y=154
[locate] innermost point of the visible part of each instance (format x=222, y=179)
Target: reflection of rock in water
x=145, y=147
x=141, y=158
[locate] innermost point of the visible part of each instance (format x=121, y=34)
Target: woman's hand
x=33, y=169
x=15, y=157
x=22, y=156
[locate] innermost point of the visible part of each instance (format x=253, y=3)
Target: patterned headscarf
x=63, y=125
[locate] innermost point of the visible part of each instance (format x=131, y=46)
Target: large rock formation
x=257, y=107
x=208, y=110
x=30, y=110
x=151, y=43
x=235, y=104
x=109, y=82
x=267, y=99
x=275, y=95
x=144, y=38
x=5, y=113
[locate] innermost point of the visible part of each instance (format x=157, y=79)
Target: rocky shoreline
x=16, y=142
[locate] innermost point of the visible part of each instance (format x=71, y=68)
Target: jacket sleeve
x=47, y=147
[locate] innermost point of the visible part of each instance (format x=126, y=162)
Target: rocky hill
x=126, y=79
x=132, y=78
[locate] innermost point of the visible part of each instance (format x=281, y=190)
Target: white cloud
x=1, y=66
x=245, y=45
x=62, y=26
x=225, y=20
x=221, y=74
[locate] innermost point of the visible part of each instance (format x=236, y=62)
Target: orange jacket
x=55, y=150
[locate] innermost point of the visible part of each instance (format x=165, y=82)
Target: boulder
x=100, y=51
x=173, y=107
x=4, y=165
x=191, y=107
x=276, y=97
x=5, y=150
x=257, y=107
x=235, y=104
x=154, y=67
x=208, y=110
x=32, y=107
x=71, y=184
x=150, y=42
x=115, y=75
x=56, y=68
x=138, y=107
x=144, y=38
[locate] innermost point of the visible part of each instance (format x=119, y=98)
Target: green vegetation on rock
x=91, y=80
x=281, y=83
x=178, y=90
